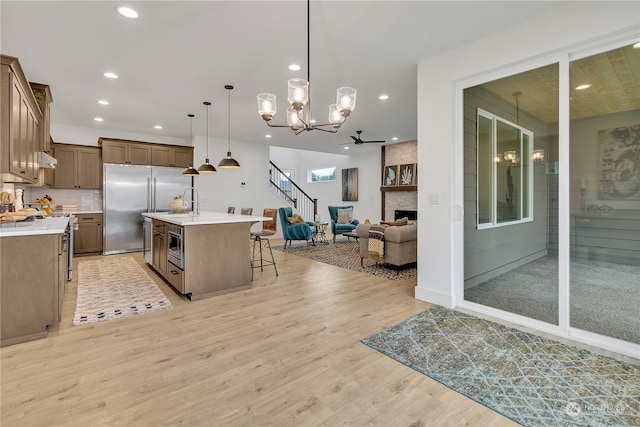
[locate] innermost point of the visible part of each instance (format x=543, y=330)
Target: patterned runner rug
x=113, y=288
x=532, y=380
x=347, y=255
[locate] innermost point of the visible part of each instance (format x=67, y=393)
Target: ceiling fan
x=357, y=140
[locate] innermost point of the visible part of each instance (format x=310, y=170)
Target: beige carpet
x=115, y=287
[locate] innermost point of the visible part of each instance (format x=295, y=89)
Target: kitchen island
x=202, y=255
x=33, y=256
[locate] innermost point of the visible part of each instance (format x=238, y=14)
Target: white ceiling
x=179, y=54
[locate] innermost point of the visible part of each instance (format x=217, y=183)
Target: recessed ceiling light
x=294, y=67
x=581, y=87
x=127, y=12
x=157, y=127
x=110, y=75
x=636, y=46
x=103, y=102
x=267, y=136
x=98, y=119
x=346, y=148
x=383, y=97
x=312, y=121
x=395, y=138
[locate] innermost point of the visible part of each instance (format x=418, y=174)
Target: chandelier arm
x=335, y=130
x=276, y=126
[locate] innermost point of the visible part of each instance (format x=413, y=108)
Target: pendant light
x=229, y=162
x=190, y=171
x=207, y=167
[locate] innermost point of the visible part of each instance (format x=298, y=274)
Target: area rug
x=530, y=379
x=347, y=255
x=113, y=288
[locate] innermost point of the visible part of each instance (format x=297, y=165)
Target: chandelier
x=299, y=112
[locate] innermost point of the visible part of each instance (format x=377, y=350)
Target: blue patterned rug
x=530, y=379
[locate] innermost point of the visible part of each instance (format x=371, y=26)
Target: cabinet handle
x=87, y=219
x=174, y=272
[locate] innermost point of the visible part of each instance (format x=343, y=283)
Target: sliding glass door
x=605, y=193
x=512, y=214
x=511, y=258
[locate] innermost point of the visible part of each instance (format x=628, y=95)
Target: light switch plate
x=434, y=198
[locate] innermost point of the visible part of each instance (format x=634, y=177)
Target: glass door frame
x=563, y=329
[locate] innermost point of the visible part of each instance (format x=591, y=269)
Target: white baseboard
x=434, y=297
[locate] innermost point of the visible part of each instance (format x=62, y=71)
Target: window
x=504, y=172
x=324, y=174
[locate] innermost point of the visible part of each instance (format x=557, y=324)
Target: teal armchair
x=338, y=228
x=302, y=231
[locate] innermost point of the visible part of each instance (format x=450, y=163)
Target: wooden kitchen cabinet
x=121, y=151
x=88, y=237
x=20, y=125
x=125, y=152
x=159, y=253
x=78, y=167
x=30, y=286
x=168, y=155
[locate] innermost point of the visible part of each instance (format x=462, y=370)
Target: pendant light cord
x=207, y=104
x=229, y=121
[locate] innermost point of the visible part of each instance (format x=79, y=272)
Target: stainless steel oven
x=175, y=246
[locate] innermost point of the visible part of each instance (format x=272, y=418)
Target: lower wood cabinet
x=159, y=253
x=88, y=237
x=32, y=281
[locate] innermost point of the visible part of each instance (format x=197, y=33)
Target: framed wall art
x=390, y=178
x=350, y=185
x=407, y=174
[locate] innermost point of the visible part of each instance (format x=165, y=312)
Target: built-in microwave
x=175, y=244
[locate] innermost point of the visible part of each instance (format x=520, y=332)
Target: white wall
x=64, y=134
x=330, y=193
x=440, y=134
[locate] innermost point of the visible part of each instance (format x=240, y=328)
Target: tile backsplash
x=88, y=200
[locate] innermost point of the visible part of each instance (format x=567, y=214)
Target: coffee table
x=351, y=234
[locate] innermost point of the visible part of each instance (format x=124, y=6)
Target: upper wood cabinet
x=20, y=125
x=43, y=96
x=171, y=155
x=125, y=152
x=78, y=167
x=145, y=153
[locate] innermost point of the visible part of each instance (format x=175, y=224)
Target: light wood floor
x=285, y=352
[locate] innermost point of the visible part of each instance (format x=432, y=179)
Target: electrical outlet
x=243, y=184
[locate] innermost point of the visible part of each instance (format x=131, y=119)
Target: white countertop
x=39, y=226
x=186, y=219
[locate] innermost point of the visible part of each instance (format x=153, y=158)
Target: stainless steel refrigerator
x=130, y=190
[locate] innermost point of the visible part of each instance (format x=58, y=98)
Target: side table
x=321, y=233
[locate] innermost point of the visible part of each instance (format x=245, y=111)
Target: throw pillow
x=295, y=219
x=344, y=216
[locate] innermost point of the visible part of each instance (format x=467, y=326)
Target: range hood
x=46, y=161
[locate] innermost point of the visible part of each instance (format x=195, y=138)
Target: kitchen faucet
x=197, y=201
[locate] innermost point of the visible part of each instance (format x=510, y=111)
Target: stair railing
x=290, y=192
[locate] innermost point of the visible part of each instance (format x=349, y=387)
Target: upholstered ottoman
x=400, y=243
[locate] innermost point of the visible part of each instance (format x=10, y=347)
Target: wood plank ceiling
x=614, y=77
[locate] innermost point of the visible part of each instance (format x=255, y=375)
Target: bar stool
x=231, y=209
x=260, y=238
x=246, y=211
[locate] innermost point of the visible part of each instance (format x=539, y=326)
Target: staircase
x=293, y=195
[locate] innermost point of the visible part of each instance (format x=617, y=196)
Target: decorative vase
x=178, y=204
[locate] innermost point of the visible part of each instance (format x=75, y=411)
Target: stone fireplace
x=399, y=198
